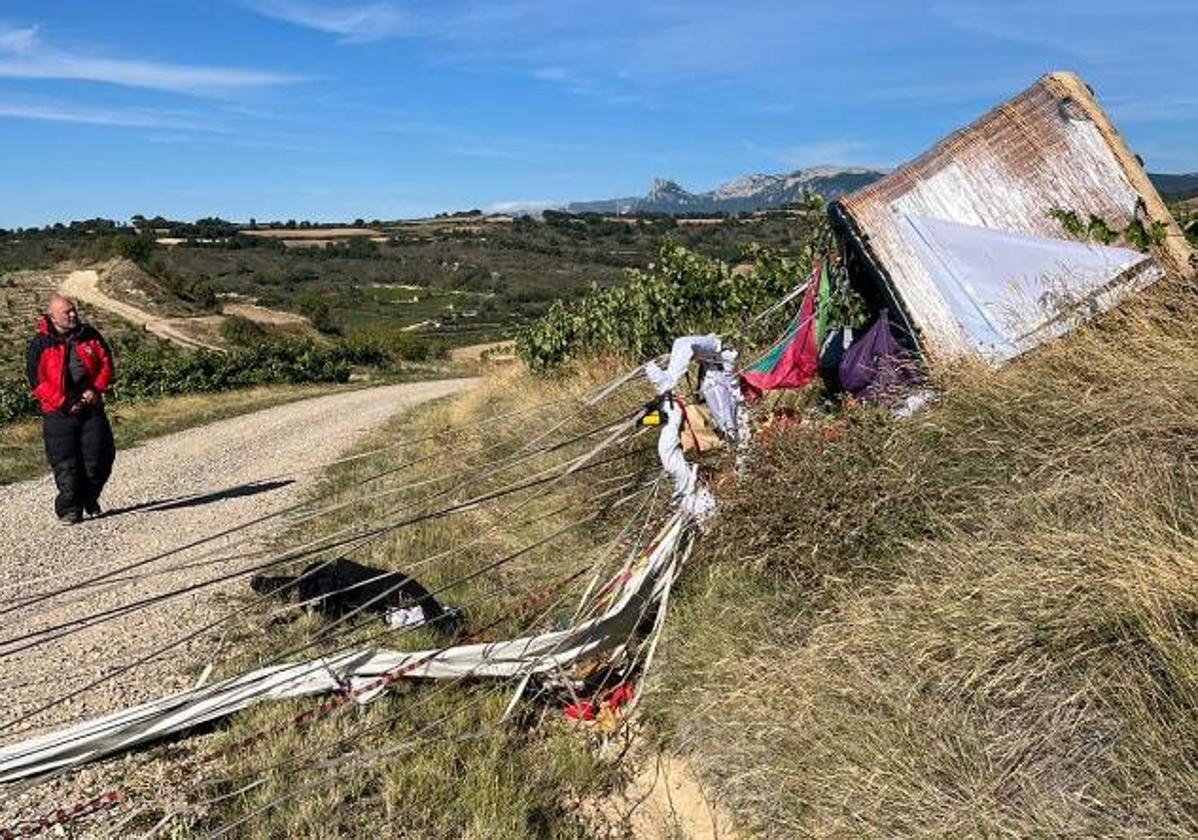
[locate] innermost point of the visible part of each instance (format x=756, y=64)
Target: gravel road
x=37, y=553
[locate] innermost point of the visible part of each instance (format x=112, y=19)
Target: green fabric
x=771, y=358
x=823, y=306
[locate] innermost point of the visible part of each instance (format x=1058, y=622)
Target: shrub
x=164, y=370
x=389, y=342
x=136, y=248
x=681, y=293
x=315, y=308
x=201, y=293
x=15, y=401
x=240, y=331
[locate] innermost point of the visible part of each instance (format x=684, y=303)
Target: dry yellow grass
x=979, y=621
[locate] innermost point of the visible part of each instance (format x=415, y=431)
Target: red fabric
x=582, y=710
x=798, y=362
x=50, y=391
x=619, y=696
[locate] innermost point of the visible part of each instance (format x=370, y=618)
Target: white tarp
x=1009, y=291
x=544, y=653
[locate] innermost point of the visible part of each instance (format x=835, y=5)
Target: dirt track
x=169, y=492
x=85, y=286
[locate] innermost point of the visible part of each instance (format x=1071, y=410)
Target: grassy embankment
x=982, y=620
x=452, y=769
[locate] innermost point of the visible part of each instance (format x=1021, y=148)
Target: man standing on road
x=69, y=365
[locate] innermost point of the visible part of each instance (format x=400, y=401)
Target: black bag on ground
x=342, y=586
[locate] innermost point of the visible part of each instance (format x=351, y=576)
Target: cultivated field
x=312, y=233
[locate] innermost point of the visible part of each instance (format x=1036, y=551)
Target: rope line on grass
x=33, y=638
x=494, y=469
x=41, y=597
x=444, y=687
x=319, y=638
x=325, y=632
x=62, y=816
x=333, y=763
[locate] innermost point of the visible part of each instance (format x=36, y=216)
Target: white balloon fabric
x=1009, y=291
x=684, y=351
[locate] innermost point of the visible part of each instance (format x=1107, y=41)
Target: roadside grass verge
x=432, y=759
x=981, y=620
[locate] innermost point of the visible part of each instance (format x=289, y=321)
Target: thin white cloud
x=355, y=24
x=836, y=152
x=1155, y=109
x=484, y=151
x=23, y=55
x=579, y=86
x=18, y=40
x=551, y=74
x=532, y=207
x=84, y=115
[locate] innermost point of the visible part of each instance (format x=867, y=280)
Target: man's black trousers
x=80, y=450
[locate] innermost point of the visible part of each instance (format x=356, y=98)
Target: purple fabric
x=877, y=368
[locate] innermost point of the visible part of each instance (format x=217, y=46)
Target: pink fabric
x=799, y=360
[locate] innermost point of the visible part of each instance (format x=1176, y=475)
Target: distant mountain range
x=762, y=192
x=744, y=195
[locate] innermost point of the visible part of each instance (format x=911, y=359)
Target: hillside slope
x=1169, y=185
x=982, y=620
x=84, y=285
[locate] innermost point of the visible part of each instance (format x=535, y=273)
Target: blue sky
x=387, y=108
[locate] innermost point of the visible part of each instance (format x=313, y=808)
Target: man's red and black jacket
x=46, y=363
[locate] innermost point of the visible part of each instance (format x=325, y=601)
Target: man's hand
x=89, y=397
